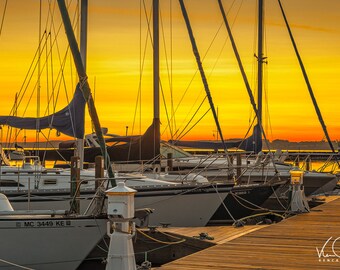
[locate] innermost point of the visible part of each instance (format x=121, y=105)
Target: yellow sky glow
x=114, y=64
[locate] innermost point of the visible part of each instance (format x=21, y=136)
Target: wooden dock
x=290, y=244
x=220, y=234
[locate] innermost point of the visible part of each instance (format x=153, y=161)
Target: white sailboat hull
x=47, y=243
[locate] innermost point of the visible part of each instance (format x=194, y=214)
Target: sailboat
x=262, y=167
x=179, y=204
x=46, y=239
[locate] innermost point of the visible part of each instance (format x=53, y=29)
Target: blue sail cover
x=69, y=121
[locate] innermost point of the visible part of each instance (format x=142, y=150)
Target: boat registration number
x=45, y=223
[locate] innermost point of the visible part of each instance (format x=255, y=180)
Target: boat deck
x=290, y=244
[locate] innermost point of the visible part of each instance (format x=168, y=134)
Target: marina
x=199, y=179
x=299, y=242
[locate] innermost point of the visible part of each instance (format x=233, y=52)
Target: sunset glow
x=118, y=45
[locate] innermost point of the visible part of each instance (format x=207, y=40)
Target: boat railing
x=320, y=162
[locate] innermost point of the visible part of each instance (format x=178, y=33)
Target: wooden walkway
x=221, y=234
x=290, y=244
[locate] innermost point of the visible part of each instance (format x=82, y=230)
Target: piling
x=170, y=162
x=75, y=185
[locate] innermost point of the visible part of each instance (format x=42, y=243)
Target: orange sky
x=114, y=66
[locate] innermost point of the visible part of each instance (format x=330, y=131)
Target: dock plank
x=221, y=234
x=290, y=244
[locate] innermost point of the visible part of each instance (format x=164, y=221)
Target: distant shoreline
x=303, y=145
x=274, y=145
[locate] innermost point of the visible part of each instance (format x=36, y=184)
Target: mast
x=83, y=31
x=309, y=87
x=83, y=51
x=156, y=116
x=201, y=70
x=84, y=85
x=260, y=61
x=257, y=145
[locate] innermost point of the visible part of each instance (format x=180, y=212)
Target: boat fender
x=5, y=205
x=157, y=168
x=146, y=265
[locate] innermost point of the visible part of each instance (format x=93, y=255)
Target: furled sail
x=69, y=121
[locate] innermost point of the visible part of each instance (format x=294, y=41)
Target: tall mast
x=83, y=54
x=201, y=70
x=83, y=31
x=156, y=116
x=309, y=87
x=84, y=85
x=260, y=61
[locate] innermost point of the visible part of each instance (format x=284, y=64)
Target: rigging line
x=245, y=136
x=141, y=70
x=251, y=97
x=205, y=54
x=46, y=144
x=159, y=241
x=203, y=77
x=222, y=201
x=252, y=100
x=188, y=122
x=84, y=85
x=193, y=77
x=47, y=76
x=55, y=41
x=52, y=73
x=171, y=71
x=16, y=265
x=167, y=66
x=75, y=27
x=211, y=71
x=39, y=76
x=310, y=90
x=180, y=193
x=35, y=56
x=142, y=62
x=165, y=107
x=53, y=147
x=60, y=78
x=31, y=96
x=3, y=17
x=148, y=22
x=62, y=62
x=28, y=76
x=139, y=93
x=254, y=65
x=239, y=198
x=178, y=137
x=210, y=74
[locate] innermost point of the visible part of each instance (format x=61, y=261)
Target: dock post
x=298, y=201
x=308, y=164
x=75, y=182
x=99, y=171
x=121, y=211
x=238, y=165
x=170, y=162
x=99, y=175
